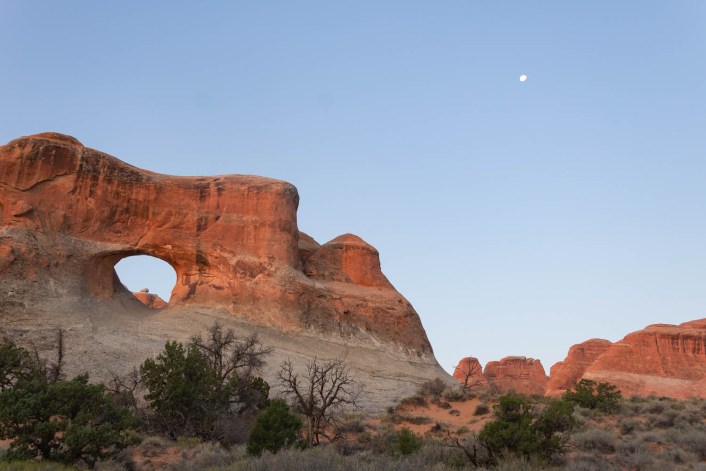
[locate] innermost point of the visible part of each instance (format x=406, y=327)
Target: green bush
x=517, y=431
x=604, y=397
x=407, y=442
x=481, y=409
x=66, y=421
x=206, y=387
x=275, y=428
x=595, y=439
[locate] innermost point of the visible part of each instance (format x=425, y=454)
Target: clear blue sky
x=518, y=218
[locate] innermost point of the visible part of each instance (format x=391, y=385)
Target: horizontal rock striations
x=516, y=374
x=662, y=359
x=68, y=214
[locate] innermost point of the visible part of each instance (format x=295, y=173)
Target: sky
x=519, y=218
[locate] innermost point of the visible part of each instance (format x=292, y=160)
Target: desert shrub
x=595, y=439
x=674, y=455
x=590, y=462
x=407, y=442
x=199, y=389
x=434, y=388
x=455, y=412
x=33, y=466
x=348, y=424
x=693, y=441
x=326, y=459
x=67, y=421
x=665, y=419
x=416, y=400
x=209, y=455
x=655, y=406
x=481, y=409
x=629, y=425
x=445, y=405
x=637, y=458
x=453, y=393
x=188, y=442
x=275, y=428
x=604, y=397
x=517, y=431
x=687, y=419
x=418, y=419
x=651, y=436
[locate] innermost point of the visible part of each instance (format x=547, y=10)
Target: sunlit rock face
x=564, y=374
x=68, y=214
x=469, y=373
x=662, y=359
x=516, y=374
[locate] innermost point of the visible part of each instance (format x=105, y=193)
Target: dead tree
x=236, y=361
x=470, y=373
x=324, y=388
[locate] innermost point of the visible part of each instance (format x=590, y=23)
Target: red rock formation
x=232, y=240
x=564, y=374
x=662, y=359
x=516, y=374
x=469, y=373
x=150, y=300
x=347, y=259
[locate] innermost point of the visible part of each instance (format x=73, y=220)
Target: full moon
x=523, y=77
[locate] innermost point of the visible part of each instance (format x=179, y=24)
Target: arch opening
x=150, y=279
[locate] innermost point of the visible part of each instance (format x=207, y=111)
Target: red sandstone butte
x=516, y=374
x=469, y=373
x=564, y=374
x=662, y=359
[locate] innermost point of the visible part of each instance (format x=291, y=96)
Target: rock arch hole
x=149, y=278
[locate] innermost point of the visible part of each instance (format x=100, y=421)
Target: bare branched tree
x=471, y=374
x=235, y=360
x=55, y=370
x=475, y=451
x=325, y=388
x=124, y=389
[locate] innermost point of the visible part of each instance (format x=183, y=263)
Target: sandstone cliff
x=564, y=374
x=68, y=214
x=661, y=359
x=516, y=374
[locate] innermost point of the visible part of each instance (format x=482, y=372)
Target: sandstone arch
x=70, y=213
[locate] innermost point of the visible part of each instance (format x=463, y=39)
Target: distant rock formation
x=662, y=359
x=68, y=214
x=516, y=374
x=564, y=374
x=469, y=373
x=150, y=300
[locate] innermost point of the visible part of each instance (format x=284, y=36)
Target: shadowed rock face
x=516, y=374
x=68, y=214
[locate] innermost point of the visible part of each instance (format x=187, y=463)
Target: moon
x=523, y=77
